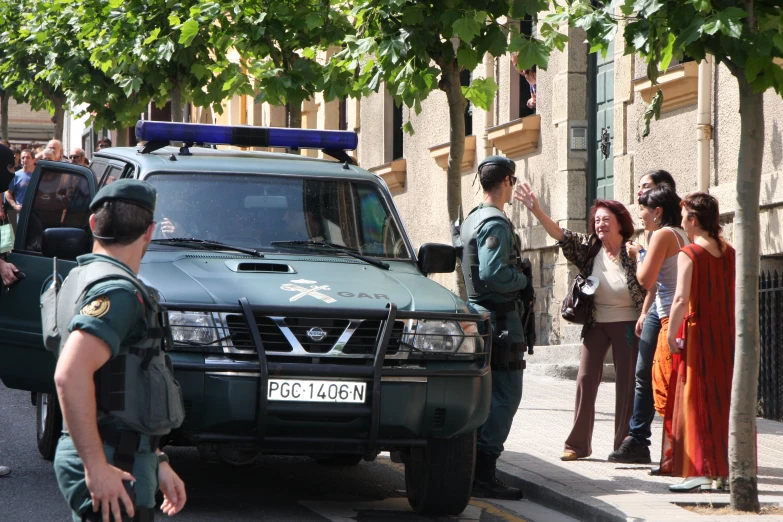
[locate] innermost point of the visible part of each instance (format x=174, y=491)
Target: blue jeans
x=643, y=409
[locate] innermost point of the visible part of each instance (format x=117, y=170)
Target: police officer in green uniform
x=493, y=275
x=114, y=381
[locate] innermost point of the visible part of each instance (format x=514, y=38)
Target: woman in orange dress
x=697, y=409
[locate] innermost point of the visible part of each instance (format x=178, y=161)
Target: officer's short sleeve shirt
x=114, y=312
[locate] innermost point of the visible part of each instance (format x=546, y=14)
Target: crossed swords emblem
x=313, y=291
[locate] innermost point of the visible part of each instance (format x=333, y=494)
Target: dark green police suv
x=301, y=318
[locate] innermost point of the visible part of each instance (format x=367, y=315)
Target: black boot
x=631, y=451
x=486, y=484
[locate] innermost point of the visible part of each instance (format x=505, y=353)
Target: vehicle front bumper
x=226, y=399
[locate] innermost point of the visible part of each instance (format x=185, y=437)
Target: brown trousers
x=597, y=341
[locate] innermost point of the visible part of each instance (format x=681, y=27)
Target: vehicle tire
x=49, y=424
x=438, y=478
x=340, y=461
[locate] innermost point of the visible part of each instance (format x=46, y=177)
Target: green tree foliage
x=163, y=50
x=745, y=36
x=283, y=46
x=24, y=57
x=415, y=48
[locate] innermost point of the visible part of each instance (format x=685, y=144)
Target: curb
x=555, y=495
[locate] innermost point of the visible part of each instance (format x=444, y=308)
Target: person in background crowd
x=46, y=154
x=57, y=147
x=647, y=329
x=617, y=303
x=6, y=143
x=8, y=272
x=78, y=157
x=697, y=409
x=14, y=196
x=104, y=143
x=17, y=158
x=659, y=210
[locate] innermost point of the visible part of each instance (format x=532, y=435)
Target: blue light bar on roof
x=245, y=135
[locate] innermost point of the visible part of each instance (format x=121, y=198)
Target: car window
x=113, y=173
x=98, y=167
x=258, y=210
x=61, y=200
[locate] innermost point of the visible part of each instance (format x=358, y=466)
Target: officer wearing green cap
x=490, y=259
x=113, y=378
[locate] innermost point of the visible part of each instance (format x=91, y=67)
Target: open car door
x=58, y=197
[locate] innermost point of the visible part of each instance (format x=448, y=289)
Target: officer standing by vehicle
x=493, y=278
x=113, y=379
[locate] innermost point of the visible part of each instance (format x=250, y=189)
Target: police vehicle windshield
x=260, y=211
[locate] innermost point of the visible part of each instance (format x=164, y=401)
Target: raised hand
x=524, y=193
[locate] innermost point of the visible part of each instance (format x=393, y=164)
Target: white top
x=612, y=299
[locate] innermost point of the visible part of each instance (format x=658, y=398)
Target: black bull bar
x=374, y=373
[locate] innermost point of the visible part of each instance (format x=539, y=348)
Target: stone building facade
x=582, y=100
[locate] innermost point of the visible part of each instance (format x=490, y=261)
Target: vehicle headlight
x=443, y=337
x=193, y=328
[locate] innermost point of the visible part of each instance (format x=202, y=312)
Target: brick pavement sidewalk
x=594, y=489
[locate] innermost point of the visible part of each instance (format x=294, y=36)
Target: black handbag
x=577, y=303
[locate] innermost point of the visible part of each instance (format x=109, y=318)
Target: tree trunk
x=176, y=103
x=742, y=419
x=122, y=137
x=4, y=114
x=59, y=117
x=450, y=84
x=295, y=120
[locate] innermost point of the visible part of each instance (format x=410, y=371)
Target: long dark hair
x=664, y=197
x=660, y=177
x=704, y=207
x=619, y=211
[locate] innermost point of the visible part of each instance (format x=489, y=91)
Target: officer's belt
x=128, y=442
x=498, y=308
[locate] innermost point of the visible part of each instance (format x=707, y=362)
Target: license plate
x=316, y=391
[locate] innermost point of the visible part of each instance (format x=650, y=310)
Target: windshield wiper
x=332, y=247
x=212, y=245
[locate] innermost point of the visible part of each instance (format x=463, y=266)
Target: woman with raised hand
x=697, y=409
x=617, y=303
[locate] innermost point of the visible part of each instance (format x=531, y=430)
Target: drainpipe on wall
x=704, y=123
x=489, y=115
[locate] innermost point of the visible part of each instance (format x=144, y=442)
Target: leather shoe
x=631, y=451
x=691, y=483
x=568, y=455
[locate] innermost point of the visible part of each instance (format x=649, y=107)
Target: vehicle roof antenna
x=184, y=150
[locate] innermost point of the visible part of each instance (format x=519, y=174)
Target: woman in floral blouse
x=617, y=303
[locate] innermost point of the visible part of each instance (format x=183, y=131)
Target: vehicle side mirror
x=65, y=243
x=435, y=258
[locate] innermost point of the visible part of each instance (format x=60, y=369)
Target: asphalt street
x=272, y=488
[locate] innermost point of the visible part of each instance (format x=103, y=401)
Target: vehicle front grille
x=289, y=335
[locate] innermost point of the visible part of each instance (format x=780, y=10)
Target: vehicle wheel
x=342, y=461
x=438, y=478
x=49, y=424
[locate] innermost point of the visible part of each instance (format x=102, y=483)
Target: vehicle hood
x=313, y=282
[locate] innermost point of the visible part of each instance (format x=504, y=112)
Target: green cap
x=498, y=160
x=133, y=191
